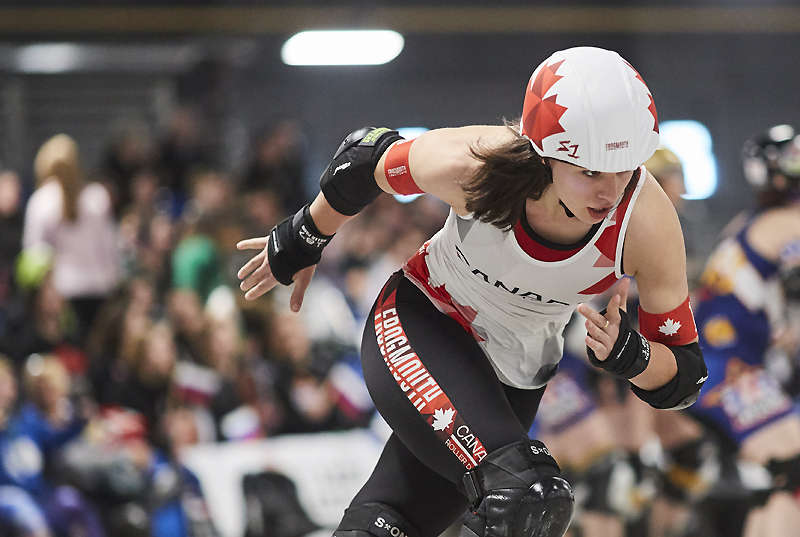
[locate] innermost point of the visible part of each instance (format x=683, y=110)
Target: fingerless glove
x=295, y=244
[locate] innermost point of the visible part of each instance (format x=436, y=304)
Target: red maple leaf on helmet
x=539, y=115
x=652, y=107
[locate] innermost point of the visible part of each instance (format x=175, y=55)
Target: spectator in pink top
x=75, y=218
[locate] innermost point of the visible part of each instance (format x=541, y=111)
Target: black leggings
x=435, y=387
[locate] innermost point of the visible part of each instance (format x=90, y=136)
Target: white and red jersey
x=514, y=292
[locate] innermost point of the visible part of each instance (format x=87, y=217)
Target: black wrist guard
x=348, y=182
x=630, y=355
x=295, y=244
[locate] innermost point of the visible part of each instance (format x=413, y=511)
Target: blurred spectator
x=182, y=150
x=145, y=387
x=304, y=406
x=186, y=316
x=19, y=513
x=147, y=196
x=209, y=387
x=407, y=241
x=362, y=238
x=74, y=218
x=11, y=222
x=311, y=399
x=354, y=280
x=179, y=508
x=369, y=253
x=148, y=241
x=147, y=232
x=257, y=381
x=129, y=152
x=196, y=261
x=200, y=264
x=109, y=464
x=42, y=427
x=262, y=210
x=144, y=489
x=278, y=165
x=45, y=322
x=210, y=192
x=8, y=390
x=122, y=324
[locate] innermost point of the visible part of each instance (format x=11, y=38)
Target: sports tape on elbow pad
x=630, y=355
x=348, y=183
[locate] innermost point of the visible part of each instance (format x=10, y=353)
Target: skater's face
x=589, y=195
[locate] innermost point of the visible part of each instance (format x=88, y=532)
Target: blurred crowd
x=124, y=338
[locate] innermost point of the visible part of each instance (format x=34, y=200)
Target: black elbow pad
x=348, y=183
x=790, y=282
x=684, y=389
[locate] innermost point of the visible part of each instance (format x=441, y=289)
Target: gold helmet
x=663, y=162
x=667, y=169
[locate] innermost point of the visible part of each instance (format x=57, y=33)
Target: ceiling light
x=342, y=47
x=48, y=58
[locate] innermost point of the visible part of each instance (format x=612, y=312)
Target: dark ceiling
x=120, y=19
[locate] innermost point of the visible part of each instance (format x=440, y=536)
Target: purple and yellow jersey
x=740, y=305
x=567, y=399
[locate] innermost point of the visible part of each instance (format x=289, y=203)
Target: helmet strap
x=569, y=213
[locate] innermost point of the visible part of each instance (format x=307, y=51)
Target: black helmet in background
x=772, y=160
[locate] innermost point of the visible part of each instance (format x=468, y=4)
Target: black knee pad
x=517, y=491
x=620, y=485
x=374, y=520
x=786, y=473
x=597, y=482
x=687, y=477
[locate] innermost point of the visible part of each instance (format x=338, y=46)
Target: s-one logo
x=571, y=150
x=536, y=450
x=394, y=531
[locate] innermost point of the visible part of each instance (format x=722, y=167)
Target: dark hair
x=509, y=174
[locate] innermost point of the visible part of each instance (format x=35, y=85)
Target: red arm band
x=397, y=171
x=675, y=327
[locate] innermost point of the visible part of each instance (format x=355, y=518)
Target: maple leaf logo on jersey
x=669, y=327
x=442, y=418
x=540, y=116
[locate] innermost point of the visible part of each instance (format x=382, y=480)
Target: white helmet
x=589, y=107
